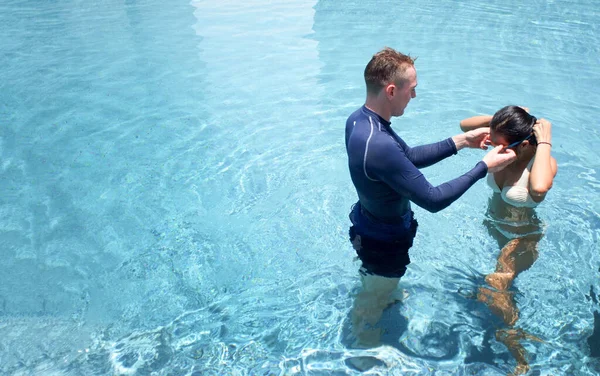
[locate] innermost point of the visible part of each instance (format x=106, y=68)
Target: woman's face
x=497, y=139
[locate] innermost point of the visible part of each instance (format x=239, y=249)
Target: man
x=385, y=173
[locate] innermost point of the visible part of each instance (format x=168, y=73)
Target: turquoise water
x=174, y=190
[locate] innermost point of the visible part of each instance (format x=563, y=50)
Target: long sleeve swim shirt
x=385, y=170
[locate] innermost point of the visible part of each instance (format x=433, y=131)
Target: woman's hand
x=542, y=130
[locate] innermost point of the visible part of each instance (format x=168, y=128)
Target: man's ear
x=390, y=90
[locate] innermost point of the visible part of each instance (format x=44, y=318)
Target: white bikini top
x=517, y=194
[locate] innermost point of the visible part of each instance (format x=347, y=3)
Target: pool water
x=174, y=193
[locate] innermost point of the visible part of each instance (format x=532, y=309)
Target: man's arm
x=426, y=155
x=405, y=178
x=395, y=169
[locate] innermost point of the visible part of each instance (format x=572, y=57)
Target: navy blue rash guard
x=385, y=170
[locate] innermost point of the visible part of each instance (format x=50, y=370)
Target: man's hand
x=472, y=139
x=496, y=159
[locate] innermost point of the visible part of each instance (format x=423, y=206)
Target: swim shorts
x=382, y=248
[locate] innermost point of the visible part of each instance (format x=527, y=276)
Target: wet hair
x=514, y=124
x=388, y=65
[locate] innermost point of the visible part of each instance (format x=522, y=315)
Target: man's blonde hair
x=386, y=66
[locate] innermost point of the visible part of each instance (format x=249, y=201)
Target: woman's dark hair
x=514, y=124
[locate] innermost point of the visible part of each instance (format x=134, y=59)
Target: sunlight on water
x=175, y=195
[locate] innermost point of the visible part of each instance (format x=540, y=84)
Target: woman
x=511, y=217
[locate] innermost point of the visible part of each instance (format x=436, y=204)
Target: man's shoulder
x=362, y=130
x=357, y=115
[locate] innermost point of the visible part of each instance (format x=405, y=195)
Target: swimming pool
x=174, y=189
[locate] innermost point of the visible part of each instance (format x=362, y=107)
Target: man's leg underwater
x=383, y=264
x=376, y=294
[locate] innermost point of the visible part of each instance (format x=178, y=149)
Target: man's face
x=401, y=93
